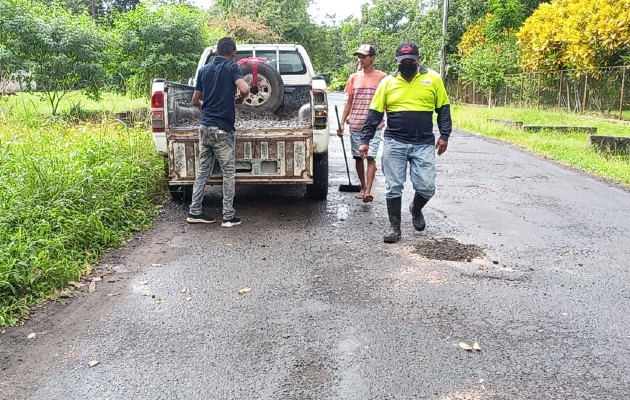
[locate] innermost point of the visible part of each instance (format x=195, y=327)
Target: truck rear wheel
x=181, y=193
x=270, y=88
x=319, y=189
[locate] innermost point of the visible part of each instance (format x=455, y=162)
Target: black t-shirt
x=216, y=81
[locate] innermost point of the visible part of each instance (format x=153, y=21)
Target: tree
x=507, y=17
x=288, y=19
x=488, y=49
x=487, y=64
x=95, y=8
x=576, y=34
x=244, y=30
x=120, y=5
x=10, y=62
x=383, y=24
x=531, y=5
x=62, y=52
x=156, y=42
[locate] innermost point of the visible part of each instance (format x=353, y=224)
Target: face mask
x=407, y=70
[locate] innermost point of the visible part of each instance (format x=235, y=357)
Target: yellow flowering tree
x=488, y=49
x=580, y=34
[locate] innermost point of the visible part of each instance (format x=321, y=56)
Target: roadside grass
x=567, y=148
x=25, y=106
x=68, y=193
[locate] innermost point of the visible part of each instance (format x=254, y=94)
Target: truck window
x=242, y=54
x=269, y=55
x=239, y=56
x=291, y=63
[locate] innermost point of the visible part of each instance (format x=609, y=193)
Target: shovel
x=349, y=187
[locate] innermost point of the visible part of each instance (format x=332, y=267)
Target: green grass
x=25, y=106
x=68, y=193
x=568, y=148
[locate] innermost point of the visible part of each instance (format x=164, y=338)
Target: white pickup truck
x=273, y=145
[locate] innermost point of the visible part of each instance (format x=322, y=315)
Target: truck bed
x=273, y=148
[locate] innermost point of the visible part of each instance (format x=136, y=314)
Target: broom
x=349, y=187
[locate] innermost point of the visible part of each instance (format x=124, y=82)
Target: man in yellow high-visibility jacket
x=409, y=97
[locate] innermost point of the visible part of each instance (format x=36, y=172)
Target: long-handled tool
x=349, y=187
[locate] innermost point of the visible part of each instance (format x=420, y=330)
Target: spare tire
x=270, y=88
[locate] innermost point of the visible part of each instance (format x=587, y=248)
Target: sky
x=319, y=8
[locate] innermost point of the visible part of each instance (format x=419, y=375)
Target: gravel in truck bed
x=286, y=117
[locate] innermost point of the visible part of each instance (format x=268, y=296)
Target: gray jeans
x=215, y=144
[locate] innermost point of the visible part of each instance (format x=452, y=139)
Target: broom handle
x=343, y=146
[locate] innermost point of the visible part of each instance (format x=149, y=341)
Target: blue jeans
x=421, y=159
x=215, y=144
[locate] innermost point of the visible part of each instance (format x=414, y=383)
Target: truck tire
x=319, y=189
x=181, y=193
x=270, y=88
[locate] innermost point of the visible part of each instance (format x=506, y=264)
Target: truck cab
x=290, y=60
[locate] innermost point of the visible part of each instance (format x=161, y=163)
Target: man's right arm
x=347, y=106
x=346, y=113
x=196, y=97
x=243, y=90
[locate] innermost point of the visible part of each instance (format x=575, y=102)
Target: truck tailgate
x=262, y=156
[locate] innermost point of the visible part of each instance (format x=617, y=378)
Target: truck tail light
x=319, y=97
x=157, y=112
x=157, y=100
x=321, y=118
x=157, y=121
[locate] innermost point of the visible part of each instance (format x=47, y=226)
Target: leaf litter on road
x=465, y=346
x=244, y=290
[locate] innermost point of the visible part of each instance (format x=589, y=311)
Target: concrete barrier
x=533, y=128
x=610, y=144
x=508, y=122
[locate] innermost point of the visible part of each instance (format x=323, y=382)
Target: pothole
x=447, y=249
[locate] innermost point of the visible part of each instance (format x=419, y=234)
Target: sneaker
x=228, y=223
x=199, y=219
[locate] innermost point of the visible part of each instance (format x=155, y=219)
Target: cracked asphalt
x=523, y=256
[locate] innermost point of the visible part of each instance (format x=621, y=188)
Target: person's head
x=407, y=56
x=226, y=47
x=366, y=54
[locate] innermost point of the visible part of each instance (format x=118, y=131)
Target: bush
x=68, y=195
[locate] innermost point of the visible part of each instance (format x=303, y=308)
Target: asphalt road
x=525, y=257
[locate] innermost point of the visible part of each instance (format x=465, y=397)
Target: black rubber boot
x=393, y=210
x=415, y=208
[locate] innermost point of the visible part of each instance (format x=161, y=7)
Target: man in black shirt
x=217, y=82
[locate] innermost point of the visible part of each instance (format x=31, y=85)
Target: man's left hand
x=441, y=146
x=363, y=150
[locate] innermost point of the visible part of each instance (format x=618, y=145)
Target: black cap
x=366, y=50
x=407, y=50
